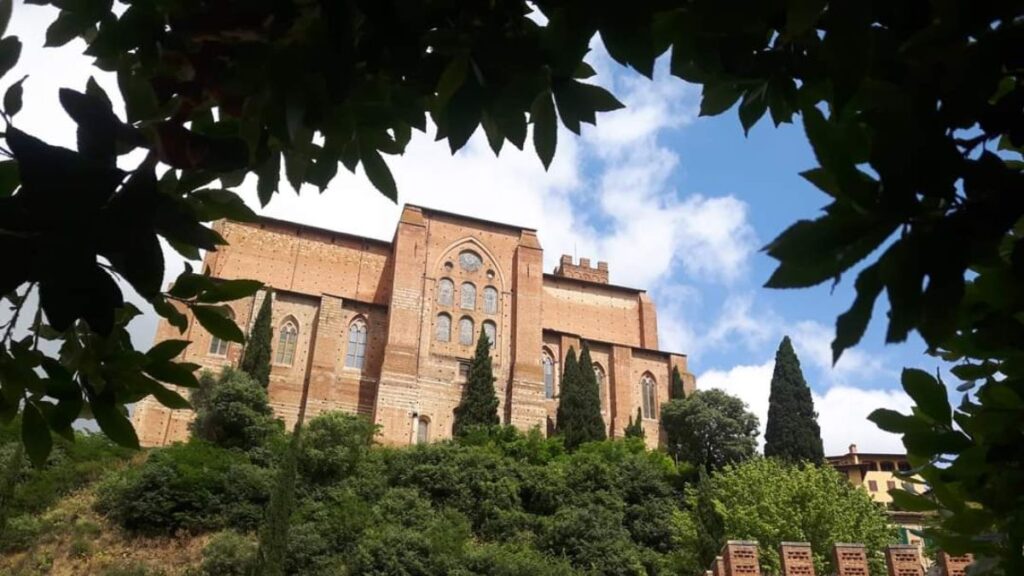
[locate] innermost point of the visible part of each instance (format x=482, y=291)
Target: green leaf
x=10, y=51
x=227, y=290
x=892, y=421
x=929, y=394
x=168, y=311
x=214, y=319
x=177, y=373
x=545, y=127
x=974, y=371
x=269, y=174
x=212, y=204
x=6, y=6
x=168, y=397
x=13, y=97
x=35, y=434
x=718, y=97
x=113, y=421
x=166, y=350
x=378, y=172
x=9, y=179
x=909, y=501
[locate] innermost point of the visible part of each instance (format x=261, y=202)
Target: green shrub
x=192, y=487
x=132, y=568
x=70, y=467
x=333, y=446
x=80, y=547
x=21, y=532
x=233, y=411
x=227, y=553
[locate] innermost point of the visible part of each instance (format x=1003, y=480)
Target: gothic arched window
x=445, y=291
x=491, y=330
x=443, y=328
x=287, y=338
x=549, y=374
x=491, y=300
x=219, y=346
x=647, y=389
x=355, y=355
x=468, y=296
x=466, y=331
x=422, y=430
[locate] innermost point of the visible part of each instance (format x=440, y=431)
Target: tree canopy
x=770, y=501
x=256, y=358
x=913, y=109
x=709, y=429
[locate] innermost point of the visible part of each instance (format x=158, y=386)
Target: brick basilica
x=387, y=329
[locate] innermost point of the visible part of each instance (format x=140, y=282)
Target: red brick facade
x=440, y=270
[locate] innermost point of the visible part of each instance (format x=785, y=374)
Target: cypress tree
x=677, y=392
x=479, y=405
x=256, y=360
x=792, y=433
x=567, y=419
x=635, y=428
x=591, y=424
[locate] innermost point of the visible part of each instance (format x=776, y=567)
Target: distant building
x=876, y=473
x=387, y=329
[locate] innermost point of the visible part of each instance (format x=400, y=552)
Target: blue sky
x=677, y=204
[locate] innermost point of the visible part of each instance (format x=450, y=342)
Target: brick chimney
x=853, y=452
x=582, y=271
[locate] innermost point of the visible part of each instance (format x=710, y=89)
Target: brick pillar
x=904, y=560
x=718, y=568
x=796, y=559
x=741, y=558
x=955, y=565
x=850, y=560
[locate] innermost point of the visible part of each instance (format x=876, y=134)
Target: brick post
x=904, y=560
x=796, y=559
x=955, y=565
x=741, y=558
x=718, y=568
x=849, y=560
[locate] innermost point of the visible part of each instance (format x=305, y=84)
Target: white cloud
x=813, y=342
x=842, y=410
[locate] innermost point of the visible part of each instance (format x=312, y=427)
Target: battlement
x=582, y=271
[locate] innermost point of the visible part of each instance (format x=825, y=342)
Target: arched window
x=443, y=328
x=287, y=337
x=445, y=291
x=466, y=331
x=647, y=389
x=422, y=430
x=491, y=300
x=218, y=346
x=468, y=296
x=599, y=376
x=355, y=355
x=549, y=374
x=491, y=330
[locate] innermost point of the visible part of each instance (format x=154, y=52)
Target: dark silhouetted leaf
x=928, y=393
x=35, y=434
x=10, y=51
x=9, y=179
x=173, y=373
x=379, y=174
x=227, y=290
x=545, y=128
x=13, y=97
x=166, y=350
x=113, y=421
x=216, y=322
